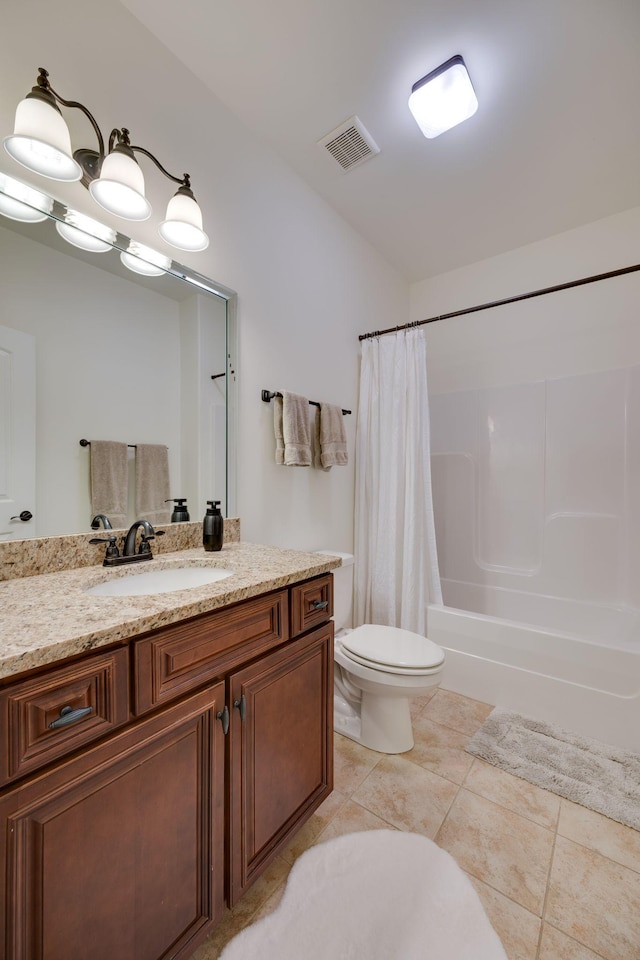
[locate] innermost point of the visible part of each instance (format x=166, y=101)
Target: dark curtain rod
x=87, y=443
x=268, y=395
x=501, y=303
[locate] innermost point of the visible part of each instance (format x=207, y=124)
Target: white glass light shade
x=85, y=232
x=120, y=187
x=443, y=99
x=18, y=201
x=41, y=141
x=182, y=226
x=145, y=260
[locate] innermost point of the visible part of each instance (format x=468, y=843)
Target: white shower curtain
x=395, y=545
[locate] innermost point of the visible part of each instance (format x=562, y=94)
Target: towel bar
x=268, y=395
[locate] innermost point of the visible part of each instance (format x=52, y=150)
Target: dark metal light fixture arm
x=184, y=180
x=45, y=85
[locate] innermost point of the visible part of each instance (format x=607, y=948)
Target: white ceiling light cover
x=443, y=98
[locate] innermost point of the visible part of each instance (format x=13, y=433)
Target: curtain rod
x=268, y=395
x=501, y=303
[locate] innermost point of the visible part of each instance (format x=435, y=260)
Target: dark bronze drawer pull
x=241, y=705
x=320, y=604
x=69, y=715
x=223, y=717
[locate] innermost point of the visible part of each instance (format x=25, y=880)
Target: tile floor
x=557, y=881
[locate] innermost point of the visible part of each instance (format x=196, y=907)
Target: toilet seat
x=392, y=650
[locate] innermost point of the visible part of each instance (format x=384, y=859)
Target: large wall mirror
x=93, y=350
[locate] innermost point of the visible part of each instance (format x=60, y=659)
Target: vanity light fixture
x=144, y=260
x=42, y=143
x=443, y=98
x=85, y=232
x=19, y=201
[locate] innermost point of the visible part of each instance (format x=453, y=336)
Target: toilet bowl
x=378, y=669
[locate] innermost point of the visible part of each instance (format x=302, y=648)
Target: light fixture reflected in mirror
x=19, y=201
x=41, y=142
x=144, y=260
x=85, y=232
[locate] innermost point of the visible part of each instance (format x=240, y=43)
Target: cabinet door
x=119, y=853
x=281, y=750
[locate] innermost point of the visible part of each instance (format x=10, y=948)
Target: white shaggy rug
x=375, y=895
x=594, y=774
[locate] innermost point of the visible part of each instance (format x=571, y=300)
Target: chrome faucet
x=148, y=533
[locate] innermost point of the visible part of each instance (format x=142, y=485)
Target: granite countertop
x=50, y=617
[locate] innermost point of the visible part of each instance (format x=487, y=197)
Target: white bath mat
x=594, y=774
x=375, y=895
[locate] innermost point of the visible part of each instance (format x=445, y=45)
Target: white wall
x=535, y=418
x=307, y=283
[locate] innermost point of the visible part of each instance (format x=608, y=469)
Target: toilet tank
x=342, y=589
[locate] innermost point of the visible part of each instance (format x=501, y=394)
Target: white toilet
x=377, y=670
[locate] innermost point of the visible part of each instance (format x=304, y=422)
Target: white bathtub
x=577, y=664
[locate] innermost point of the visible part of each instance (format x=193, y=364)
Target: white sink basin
x=159, y=581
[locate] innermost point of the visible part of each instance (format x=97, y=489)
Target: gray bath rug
x=598, y=776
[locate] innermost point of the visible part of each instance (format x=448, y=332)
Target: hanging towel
x=316, y=449
x=109, y=480
x=295, y=428
x=152, y=483
x=277, y=429
x=333, y=437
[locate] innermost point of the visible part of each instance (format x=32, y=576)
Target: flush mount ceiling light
x=41, y=142
x=19, y=201
x=443, y=99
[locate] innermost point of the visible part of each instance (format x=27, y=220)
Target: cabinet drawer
x=51, y=715
x=311, y=603
x=176, y=659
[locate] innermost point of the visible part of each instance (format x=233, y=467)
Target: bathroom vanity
x=150, y=780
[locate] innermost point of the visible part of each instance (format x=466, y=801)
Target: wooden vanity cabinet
x=129, y=847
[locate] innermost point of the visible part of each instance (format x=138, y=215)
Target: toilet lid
x=392, y=647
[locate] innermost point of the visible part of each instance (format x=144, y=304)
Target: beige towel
x=315, y=444
x=277, y=429
x=295, y=428
x=333, y=437
x=152, y=483
x=109, y=480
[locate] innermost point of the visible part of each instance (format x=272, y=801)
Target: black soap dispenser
x=213, y=526
x=180, y=513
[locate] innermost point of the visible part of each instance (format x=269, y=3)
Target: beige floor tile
x=306, y=836
x=440, y=749
x=518, y=929
x=595, y=901
x=352, y=818
x=454, y=710
x=417, y=704
x=494, y=844
x=514, y=793
x=405, y=795
x=351, y=764
x=272, y=878
x=558, y=946
x=592, y=830
x=270, y=905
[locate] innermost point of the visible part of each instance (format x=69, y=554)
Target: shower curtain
x=395, y=545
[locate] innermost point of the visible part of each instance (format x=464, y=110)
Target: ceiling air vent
x=350, y=144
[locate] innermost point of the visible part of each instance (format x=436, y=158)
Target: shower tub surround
x=538, y=532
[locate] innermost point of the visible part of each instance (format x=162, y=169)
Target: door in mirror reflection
x=17, y=434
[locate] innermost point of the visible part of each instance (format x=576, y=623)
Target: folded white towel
x=109, y=480
x=296, y=431
x=152, y=483
x=333, y=437
x=278, y=429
